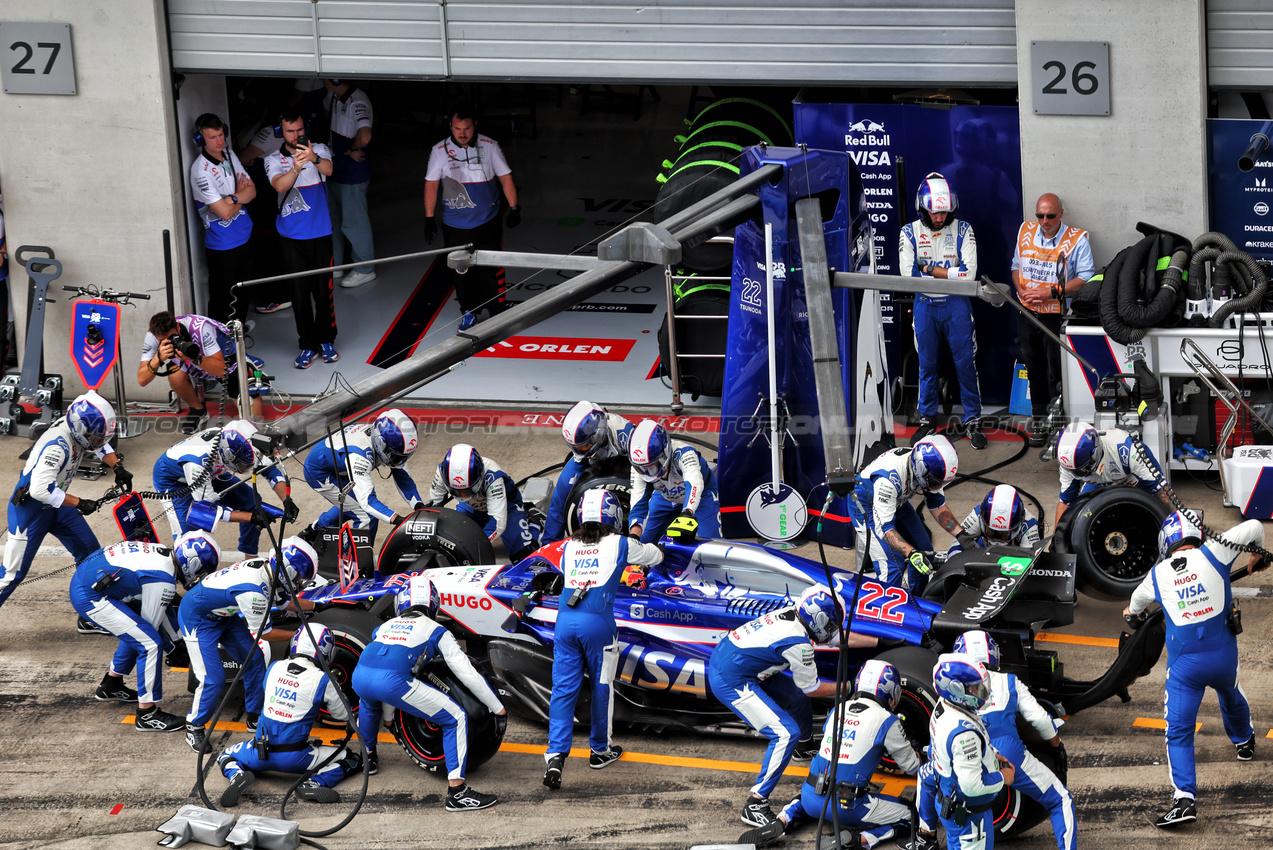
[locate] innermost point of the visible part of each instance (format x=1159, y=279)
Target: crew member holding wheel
x=1093, y=460
x=586, y=634
x=1192, y=584
x=682, y=482
x=593, y=434
x=487, y=495
x=890, y=537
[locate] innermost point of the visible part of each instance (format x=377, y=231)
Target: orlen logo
x=559, y=348
x=456, y=600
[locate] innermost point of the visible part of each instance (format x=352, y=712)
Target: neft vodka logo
x=861, y=140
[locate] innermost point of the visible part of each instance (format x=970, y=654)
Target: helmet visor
x=651, y=471
x=995, y=535
x=461, y=492
x=979, y=692
x=1089, y=468
x=397, y=460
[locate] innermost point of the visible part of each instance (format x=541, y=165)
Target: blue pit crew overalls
x=383, y=675
x=208, y=617
x=869, y=731
x=1193, y=588
x=746, y=674
x=39, y=508
x=586, y=636
x=618, y=435
x=880, y=503
x=295, y=689
x=688, y=485
x=144, y=576
x=967, y=776
x=328, y=468
x=176, y=468
x=496, y=506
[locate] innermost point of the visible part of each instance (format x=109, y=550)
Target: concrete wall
x=95, y=176
x=1146, y=160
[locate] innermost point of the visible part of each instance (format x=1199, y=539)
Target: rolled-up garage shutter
x=1240, y=44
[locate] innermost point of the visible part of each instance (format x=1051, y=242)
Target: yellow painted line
x=1159, y=723
x=893, y=785
x=1270, y=735
x=1077, y=640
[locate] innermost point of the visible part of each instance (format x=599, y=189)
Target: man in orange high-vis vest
x=1051, y=261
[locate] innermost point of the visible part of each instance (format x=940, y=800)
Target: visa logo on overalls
x=1191, y=591
x=286, y=693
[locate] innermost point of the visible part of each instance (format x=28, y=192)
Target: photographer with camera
x=179, y=347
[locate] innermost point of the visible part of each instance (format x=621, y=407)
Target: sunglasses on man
x=1048, y=216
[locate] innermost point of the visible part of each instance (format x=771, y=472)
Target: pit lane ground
x=72, y=775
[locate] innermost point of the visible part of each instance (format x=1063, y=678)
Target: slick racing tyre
x=915, y=666
x=1114, y=536
x=613, y=474
x=351, y=630
x=434, y=537
x=422, y=739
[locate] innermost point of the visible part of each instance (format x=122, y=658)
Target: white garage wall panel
x=958, y=42
x=1240, y=44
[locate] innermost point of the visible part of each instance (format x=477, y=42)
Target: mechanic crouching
x=486, y=494
x=1000, y=520
x=297, y=688
x=586, y=635
x=892, y=543
x=104, y=585
x=594, y=435
x=869, y=730
x=963, y=759
x=1093, y=460
x=388, y=671
x=1192, y=584
x=670, y=477
x=745, y=673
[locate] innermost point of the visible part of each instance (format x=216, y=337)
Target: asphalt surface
x=73, y=775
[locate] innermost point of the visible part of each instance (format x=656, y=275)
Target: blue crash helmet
x=91, y=420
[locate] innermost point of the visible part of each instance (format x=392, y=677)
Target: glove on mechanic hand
x=966, y=540
x=501, y=724
x=1062, y=760
x=313, y=537
x=264, y=514
x=514, y=216
x=430, y=230
x=920, y=562
x=123, y=478
x=87, y=506
x=419, y=506
x=291, y=511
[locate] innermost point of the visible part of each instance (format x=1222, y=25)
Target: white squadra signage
x=36, y=58
x=1070, y=77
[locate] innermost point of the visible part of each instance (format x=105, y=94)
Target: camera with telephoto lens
x=187, y=348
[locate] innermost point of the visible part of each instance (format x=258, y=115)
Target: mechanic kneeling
x=670, y=477
x=1000, y=520
x=869, y=730
x=586, y=634
x=1203, y=624
x=1093, y=460
x=297, y=688
x=488, y=495
x=593, y=434
x=388, y=671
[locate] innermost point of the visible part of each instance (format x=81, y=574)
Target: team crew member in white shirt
x=349, y=110
x=222, y=190
x=467, y=173
x=298, y=171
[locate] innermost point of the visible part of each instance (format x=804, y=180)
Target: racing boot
x=240, y=782
x=599, y=760
x=552, y=776
x=805, y=750
x=155, y=719
x=197, y=738
x=848, y=841
x=251, y=719
x=757, y=812
x=923, y=841
x=764, y=834
x=1182, y=810
x=925, y=429
x=315, y=793
x=462, y=798
x=976, y=437
x=373, y=762
x=1246, y=749
x=113, y=689
x=85, y=626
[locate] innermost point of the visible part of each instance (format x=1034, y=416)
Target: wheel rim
x=344, y=659
x=1116, y=551
x=913, y=712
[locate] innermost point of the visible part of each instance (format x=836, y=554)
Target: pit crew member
x=593, y=434
x=209, y=615
x=938, y=245
x=207, y=489
x=673, y=488
x=586, y=635
x=1192, y=584
x=353, y=455
x=1000, y=520
x=40, y=504
x=745, y=673
x=387, y=673
x=144, y=574
x=297, y=688
x=1009, y=697
x=870, y=730
x=1093, y=460
x=487, y=494
x=889, y=534
x=969, y=772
